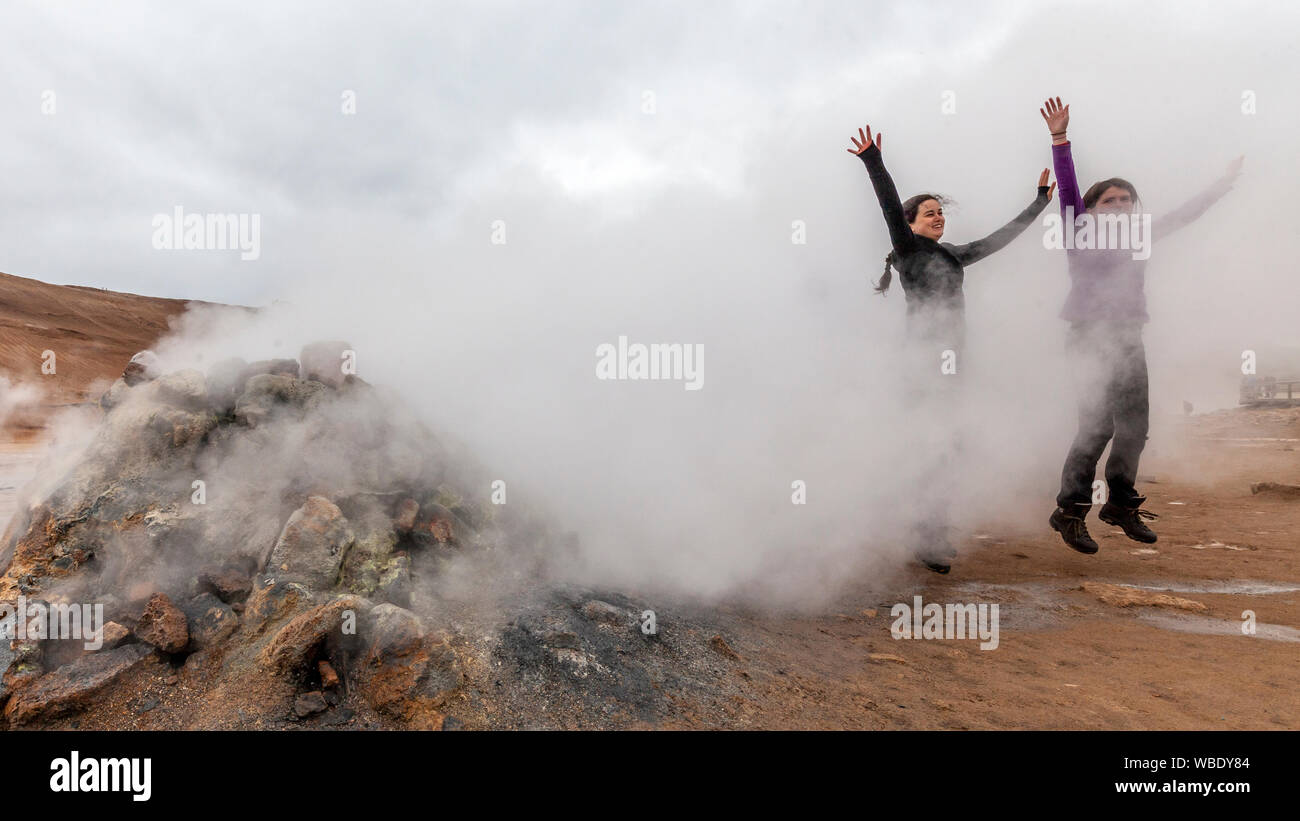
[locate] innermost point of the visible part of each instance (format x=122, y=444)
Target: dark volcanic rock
x=230, y=584
x=309, y=704
x=72, y=685
x=267, y=393
x=210, y=621
x=312, y=546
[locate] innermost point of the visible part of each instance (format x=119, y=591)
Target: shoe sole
x=1073, y=547
x=1114, y=523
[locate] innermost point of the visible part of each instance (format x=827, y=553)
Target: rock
x=283, y=367
x=562, y=640
x=115, y=394
x=230, y=584
x=180, y=427
x=143, y=367
x=329, y=679
x=114, y=635
x=210, y=621
x=1276, y=489
x=163, y=625
x=452, y=723
x=395, y=581
x=313, y=545
x=184, y=389
x=21, y=662
x=309, y=704
x=268, y=603
x=605, y=613
x=367, y=560
x=225, y=382
x=404, y=519
x=434, y=526
x=406, y=674
x=720, y=646
x=887, y=657
x=1122, y=596
x=293, y=646
x=324, y=361
x=71, y=686
x=267, y=393
x=393, y=631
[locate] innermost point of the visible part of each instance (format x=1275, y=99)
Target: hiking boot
x=1069, y=523
x=1128, y=517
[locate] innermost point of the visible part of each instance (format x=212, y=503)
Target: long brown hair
x=910, y=206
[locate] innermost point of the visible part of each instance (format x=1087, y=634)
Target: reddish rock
x=404, y=520
x=405, y=674
x=72, y=685
x=329, y=679
x=163, y=625
x=295, y=643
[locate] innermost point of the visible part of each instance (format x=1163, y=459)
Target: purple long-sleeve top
x=1109, y=284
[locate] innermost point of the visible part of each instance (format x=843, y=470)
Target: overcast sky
x=237, y=108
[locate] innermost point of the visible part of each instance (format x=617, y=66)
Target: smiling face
x=929, y=220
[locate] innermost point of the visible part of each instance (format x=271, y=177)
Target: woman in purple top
x=1108, y=242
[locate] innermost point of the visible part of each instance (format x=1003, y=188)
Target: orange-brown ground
x=92, y=332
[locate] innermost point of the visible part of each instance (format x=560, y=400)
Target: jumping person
x=932, y=274
x=1106, y=310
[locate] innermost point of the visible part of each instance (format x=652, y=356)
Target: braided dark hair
x=910, y=206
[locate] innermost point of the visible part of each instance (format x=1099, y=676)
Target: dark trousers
x=1110, y=363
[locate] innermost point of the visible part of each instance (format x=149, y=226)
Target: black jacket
x=931, y=271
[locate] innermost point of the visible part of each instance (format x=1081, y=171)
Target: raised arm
x=900, y=233
x=1191, y=210
x=973, y=252
x=1057, y=118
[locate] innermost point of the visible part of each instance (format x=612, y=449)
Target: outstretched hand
x=863, y=141
x=1042, y=181
x=1056, y=116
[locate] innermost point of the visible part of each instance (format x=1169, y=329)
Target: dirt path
x=1066, y=658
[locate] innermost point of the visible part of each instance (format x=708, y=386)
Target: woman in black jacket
x=932, y=273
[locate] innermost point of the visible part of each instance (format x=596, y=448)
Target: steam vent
x=278, y=544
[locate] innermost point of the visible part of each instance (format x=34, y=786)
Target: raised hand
x=1057, y=118
x=863, y=141
x=1042, y=181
